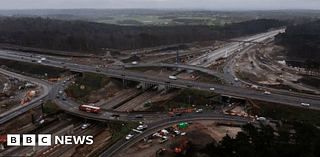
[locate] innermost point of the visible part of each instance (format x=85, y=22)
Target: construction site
x=266, y=66
x=174, y=140
x=16, y=92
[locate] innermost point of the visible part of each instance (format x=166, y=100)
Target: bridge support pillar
x=124, y=82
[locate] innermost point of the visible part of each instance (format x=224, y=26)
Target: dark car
x=57, y=96
x=115, y=115
x=139, y=116
x=64, y=98
x=189, y=85
x=178, y=114
x=167, y=82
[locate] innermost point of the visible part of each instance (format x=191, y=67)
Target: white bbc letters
x=29, y=139
x=13, y=140
x=44, y=140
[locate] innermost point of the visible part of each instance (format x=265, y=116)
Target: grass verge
x=90, y=82
x=50, y=107
x=204, y=77
x=119, y=131
x=38, y=70
x=285, y=113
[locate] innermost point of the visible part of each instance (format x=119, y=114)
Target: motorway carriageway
x=223, y=89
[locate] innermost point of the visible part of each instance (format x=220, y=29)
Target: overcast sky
x=158, y=4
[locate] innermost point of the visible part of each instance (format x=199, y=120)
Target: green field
x=148, y=20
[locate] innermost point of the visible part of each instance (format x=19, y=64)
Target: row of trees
x=92, y=37
x=302, y=42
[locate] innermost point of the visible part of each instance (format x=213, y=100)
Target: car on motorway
x=41, y=101
x=97, y=70
x=115, y=115
x=212, y=89
x=305, y=104
x=189, y=85
x=128, y=137
x=123, y=75
x=266, y=92
x=139, y=116
x=178, y=114
x=85, y=126
x=261, y=119
x=199, y=110
x=57, y=96
x=64, y=99
x=60, y=92
x=142, y=127
x=167, y=82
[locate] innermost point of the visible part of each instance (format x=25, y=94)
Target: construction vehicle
x=4, y=94
x=180, y=110
x=28, y=97
x=3, y=139
x=54, y=79
x=183, y=144
x=161, y=152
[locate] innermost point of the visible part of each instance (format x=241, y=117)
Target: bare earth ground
x=261, y=66
x=15, y=94
x=102, y=93
x=200, y=133
x=20, y=123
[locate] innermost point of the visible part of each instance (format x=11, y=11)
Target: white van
x=305, y=104
x=172, y=77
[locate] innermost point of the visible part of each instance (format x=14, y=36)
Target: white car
x=212, y=89
x=261, y=119
x=199, y=111
x=85, y=126
x=305, y=104
x=141, y=127
x=266, y=92
x=129, y=136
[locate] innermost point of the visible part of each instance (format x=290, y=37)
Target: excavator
x=161, y=152
x=183, y=144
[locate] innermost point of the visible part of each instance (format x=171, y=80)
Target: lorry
x=88, y=108
x=172, y=77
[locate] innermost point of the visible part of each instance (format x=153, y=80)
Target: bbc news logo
x=46, y=140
